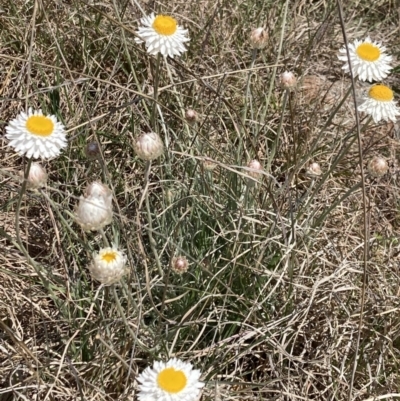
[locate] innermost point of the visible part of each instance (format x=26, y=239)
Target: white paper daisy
x=368, y=60
x=380, y=104
x=162, y=34
x=108, y=265
x=36, y=135
x=171, y=381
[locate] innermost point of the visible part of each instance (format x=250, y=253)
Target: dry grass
x=270, y=307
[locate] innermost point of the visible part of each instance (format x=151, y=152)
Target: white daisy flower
x=108, y=265
x=380, y=104
x=174, y=380
x=36, y=135
x=368, y=60
x=162, y=34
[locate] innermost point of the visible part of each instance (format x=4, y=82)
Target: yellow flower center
x=165, y=25
x=368, y=52
x=171, y=380
x=40, y=125
x=109, y=256
x=381, y=93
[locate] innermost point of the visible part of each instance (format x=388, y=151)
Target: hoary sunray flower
x=36, y=135
x=288, y=80
x=162, y=34
x=37, y=177
x=254, y=172
x=258, y=38
x=368, y=60
x=378, y=166
x=148, y=146
x=94, y=210
x=380, y=104
x=179, y=264
x=191, y=116
x=108, y=265
x=314, y=170
x=174, y=380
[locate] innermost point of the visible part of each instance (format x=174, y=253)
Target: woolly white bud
x=191, y=116
x=314, y=170
x=94, y=210
x=179, y=264
x=148, y=146
x=37, y=177
x=258, y=38
x=378, y=166
x=288, y=80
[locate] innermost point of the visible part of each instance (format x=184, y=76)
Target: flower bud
x=98, y=190
x=314, y=170
x=288, y=80
x=378, y=166
x=209, y=165
x=191, y=116
x=37, y=177
x=92, y=150
x=94, y=210
x=258, y=38
x=148, y=146
x=255, y=169
x=108, y=265
x=179, y=264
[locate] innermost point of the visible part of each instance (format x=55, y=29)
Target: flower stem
x=149, y=220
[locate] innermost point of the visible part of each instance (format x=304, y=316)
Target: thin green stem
x=272, y=81
x=122, y=313
x=156, y=78
x=149, y=219
x=272, y=152
x=246, y=104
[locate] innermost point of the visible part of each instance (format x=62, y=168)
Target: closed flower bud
x=180, y=264
x=148, y=146
x=94, y=210
x=209, y=165
x=191, y=116
x=254, y=169
x=258, y=38
x=378, y=166
x=92, y=150
x=108, y=266
x=98, y=190
x=37, y=177
x=288, y=80
x=314, y=170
